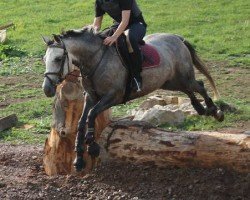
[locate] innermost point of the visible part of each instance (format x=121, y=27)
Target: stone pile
x=159, y=110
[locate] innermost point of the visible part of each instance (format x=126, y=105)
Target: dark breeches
x=136, y=32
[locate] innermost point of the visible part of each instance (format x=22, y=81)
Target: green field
x=220, y=31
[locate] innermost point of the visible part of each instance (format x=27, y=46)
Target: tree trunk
x=138, y=142
x=59, y=146
x=2, y=27
x=8, y=122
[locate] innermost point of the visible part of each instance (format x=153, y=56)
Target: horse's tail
x=201, y=66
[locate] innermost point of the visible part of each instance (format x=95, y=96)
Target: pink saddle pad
x=151, y=57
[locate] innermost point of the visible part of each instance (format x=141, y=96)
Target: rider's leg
x=136, y=32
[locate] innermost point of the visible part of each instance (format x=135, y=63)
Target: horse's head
x=58, y=65
x=80, y=47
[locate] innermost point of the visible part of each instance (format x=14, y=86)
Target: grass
x=35, y=114
x=219, y=30
x=197, y=123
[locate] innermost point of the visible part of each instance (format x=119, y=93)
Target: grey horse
x=105, y=78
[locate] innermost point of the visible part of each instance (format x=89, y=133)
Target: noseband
x=59, y=74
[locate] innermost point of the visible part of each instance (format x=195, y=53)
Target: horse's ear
x=47, y=40
x=57, y=38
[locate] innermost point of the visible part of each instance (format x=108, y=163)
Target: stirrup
x=137, y=85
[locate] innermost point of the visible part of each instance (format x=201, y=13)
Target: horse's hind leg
x=196, y=103
x=198, y=86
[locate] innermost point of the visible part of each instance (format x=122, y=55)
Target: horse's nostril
x=62, y=133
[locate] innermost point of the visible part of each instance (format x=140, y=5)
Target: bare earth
x=22, y=175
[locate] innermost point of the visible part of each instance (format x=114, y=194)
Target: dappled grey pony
x=105, y=77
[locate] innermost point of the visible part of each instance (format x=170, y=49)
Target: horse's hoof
x=79, y=163
x=94, y=149
x=219, y=116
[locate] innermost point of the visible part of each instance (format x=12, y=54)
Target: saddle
x=150, y=56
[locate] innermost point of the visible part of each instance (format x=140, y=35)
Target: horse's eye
x=58, y=59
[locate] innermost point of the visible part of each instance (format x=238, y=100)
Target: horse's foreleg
x=106, y=102
x=79, y=162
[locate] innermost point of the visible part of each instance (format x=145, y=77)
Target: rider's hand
x=110, y=40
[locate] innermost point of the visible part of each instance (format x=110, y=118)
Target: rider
x=129, y=17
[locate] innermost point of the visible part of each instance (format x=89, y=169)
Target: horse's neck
x=83, y=54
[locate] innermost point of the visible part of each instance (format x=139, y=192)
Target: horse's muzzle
x=49, y=90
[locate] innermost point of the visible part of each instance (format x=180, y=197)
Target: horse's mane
x=72, y=33
x=78, y=32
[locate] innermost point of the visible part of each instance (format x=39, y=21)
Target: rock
x=175, y=108
x=188, y=109
x=2, y=185
x=170, y=99
x=34, y=157
x=3, y=36
x=160, y=115
x=152, y=101
x=247, y=132
x=182, y=100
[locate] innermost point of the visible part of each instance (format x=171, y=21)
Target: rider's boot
x=136, y=71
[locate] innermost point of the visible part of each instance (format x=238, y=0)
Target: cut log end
x=8, y=122
x=59, y=148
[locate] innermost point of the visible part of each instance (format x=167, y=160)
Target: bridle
x=59, y=74
x=65, y=56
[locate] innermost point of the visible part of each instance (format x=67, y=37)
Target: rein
x=93, y=69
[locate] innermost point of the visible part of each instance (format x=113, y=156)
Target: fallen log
x=59, y=146
x=8, y=122
x=139, y=142
x=5, y=26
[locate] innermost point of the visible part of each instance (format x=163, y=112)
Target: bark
x=8, y=122
x=139, y=142
x=59, y=146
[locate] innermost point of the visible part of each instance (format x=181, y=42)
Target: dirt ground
x=22, y=177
